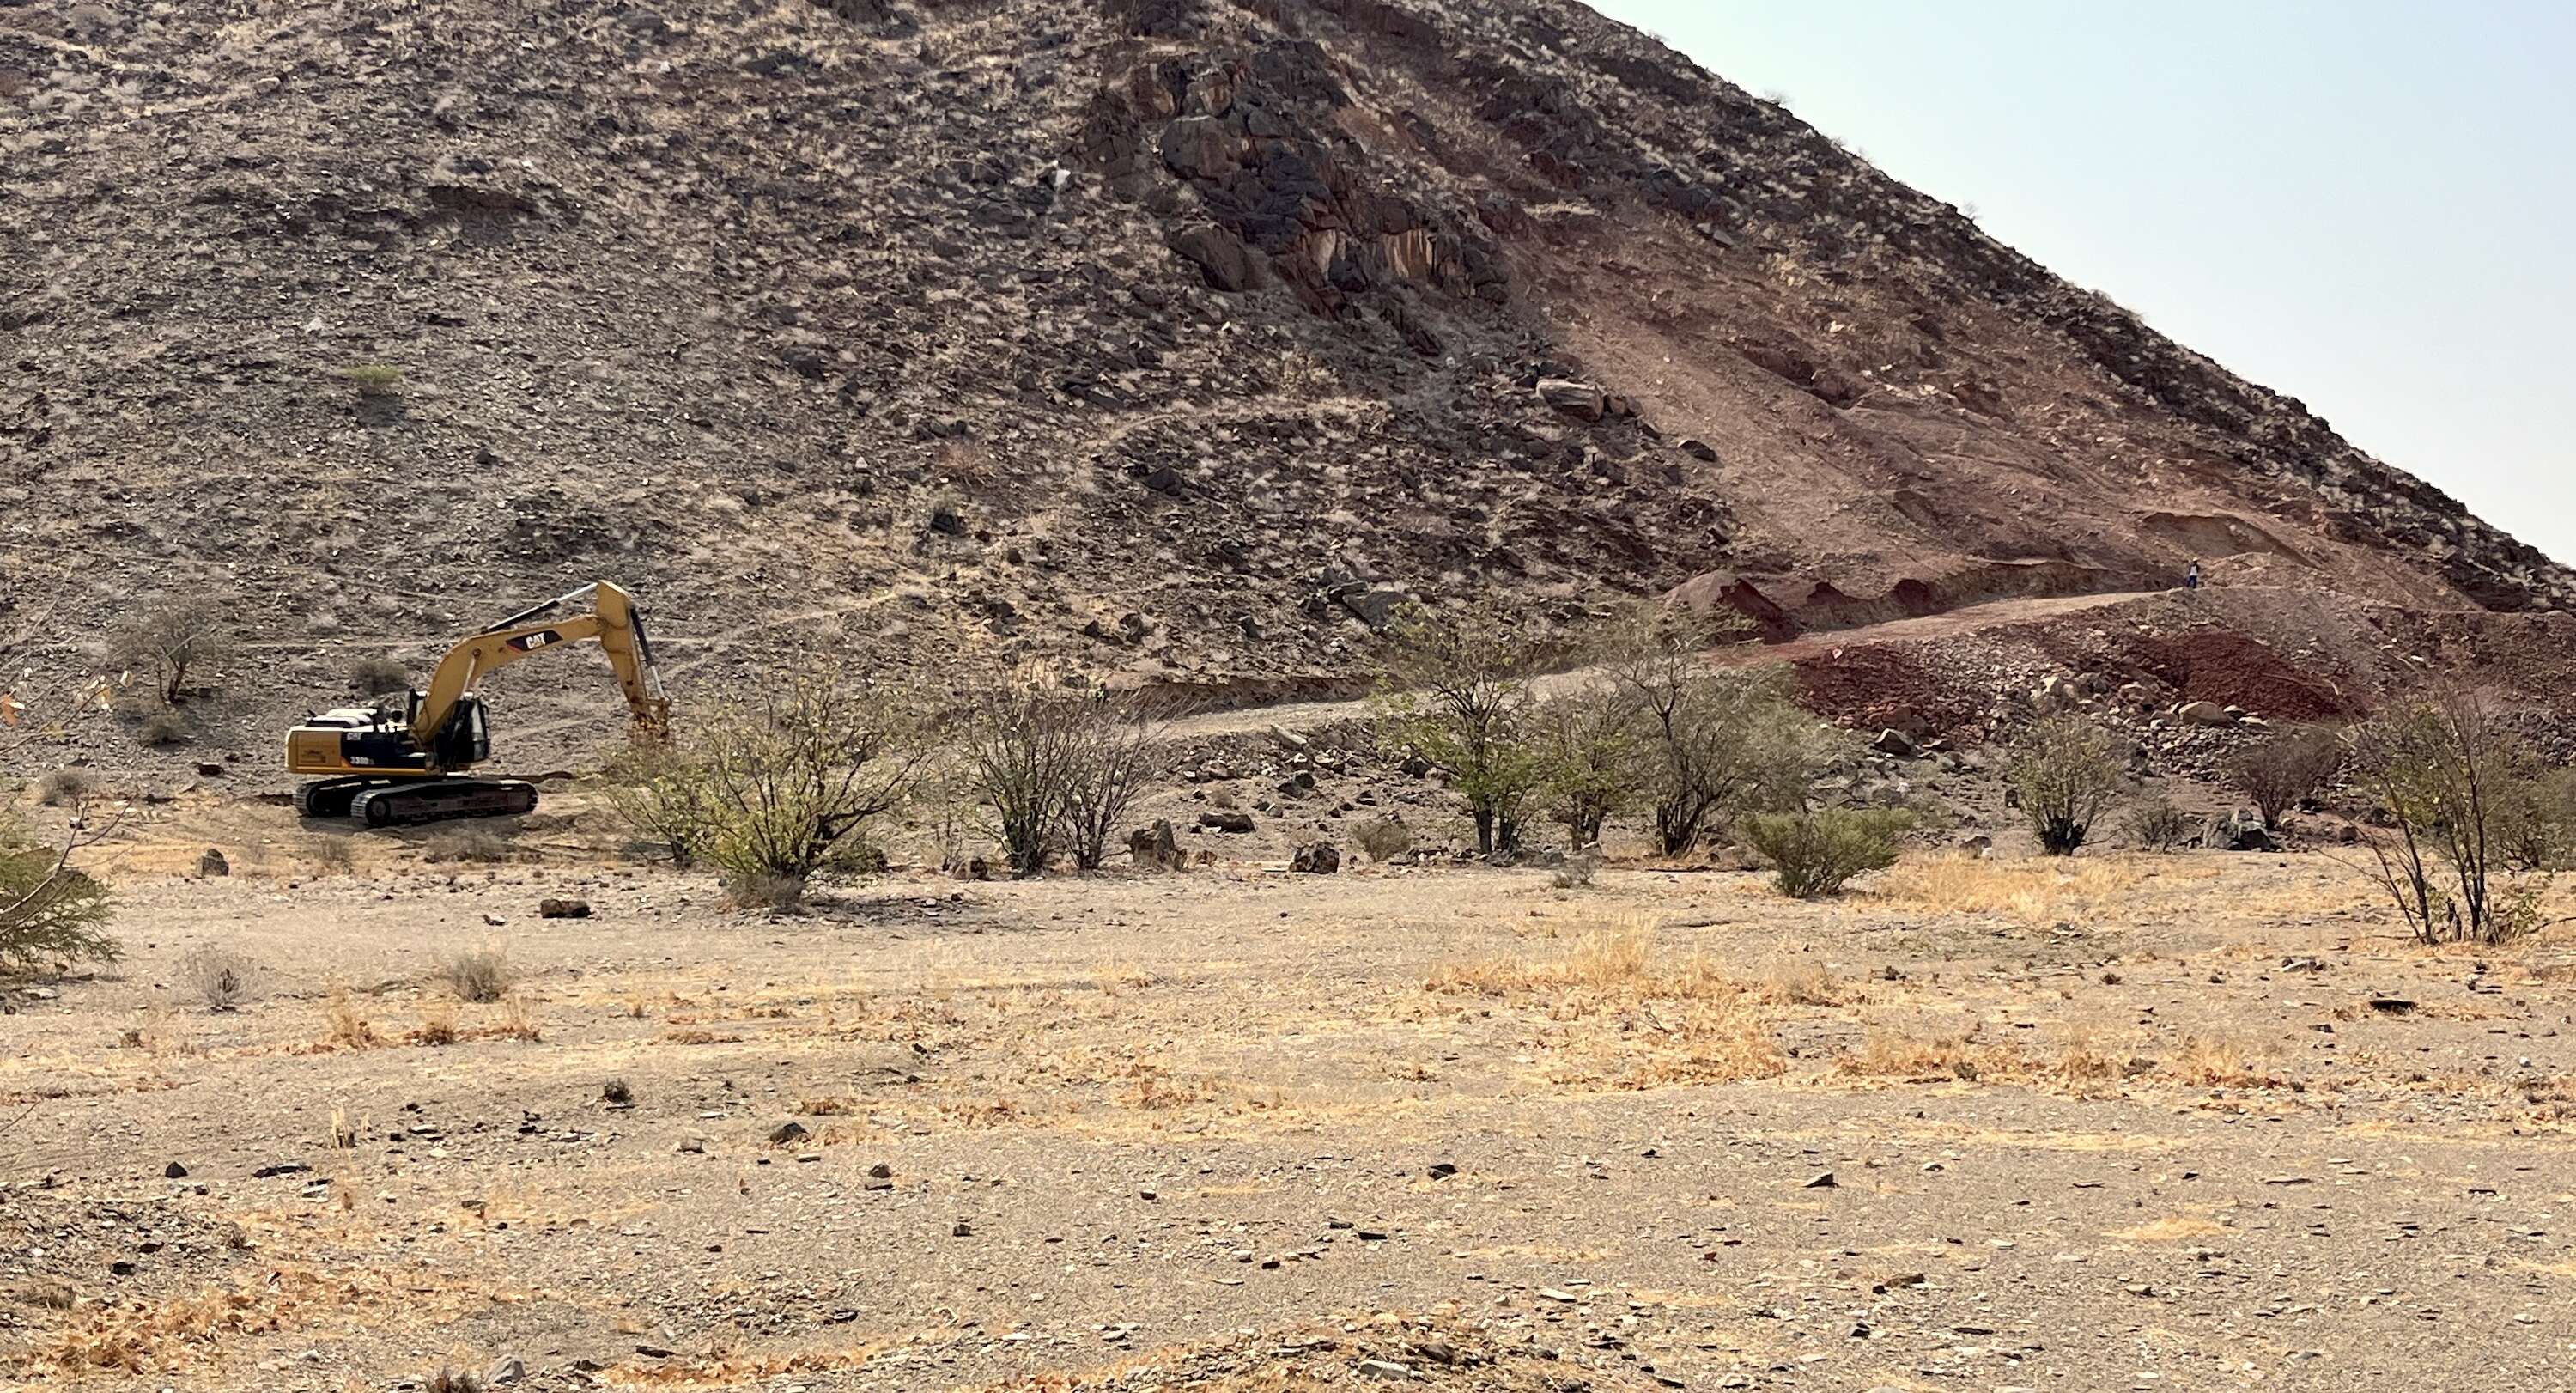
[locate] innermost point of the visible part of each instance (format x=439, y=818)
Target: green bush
x=2066, y=771
x=1816, y=853
x=48, y=911
x=379, y=677
x=2155, y=824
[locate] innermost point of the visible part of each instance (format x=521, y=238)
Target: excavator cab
x=466, y=739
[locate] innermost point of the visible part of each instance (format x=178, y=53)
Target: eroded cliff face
x=1171, y=339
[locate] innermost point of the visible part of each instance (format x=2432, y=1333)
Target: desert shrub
x=218, y=977
x=1591, y=751
x=374, y=379
x=481, y=845
x=480, y=975
x=809, y=754
x=1116, y=751
x=660, y=792
x=1056, y=768
x=49, y=912
x=2442, y=771
x=1456, y=691
x=1017, y=752
x=334, y=856
x=1816, y=853
x=2155, y=824
x=2536, y=821
x=172, y=643
x=66, y=787
x=378, y=677
x=1719, y=744
x=162, y=727
x=2067, y=772
x=2285, y=771
x=761, y=890
x=1383, y=838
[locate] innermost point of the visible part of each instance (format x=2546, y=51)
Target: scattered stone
x=1383, y=1368
x=2241, y=830
x=1316, y=858
x=786, y=1132
x=1157, y=847
x=1580, y=400
x=1823, y=1180
x=281, y=1168
x=563, y=909
x=1236, y=822
x=962, y=1229
x=506, y=1370
x=213, y=864
x=174, y=1171
x=1442, y=1170
x=617, y=1094
x=2203, y=713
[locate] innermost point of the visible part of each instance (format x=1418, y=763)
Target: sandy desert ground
x=2190, y=1121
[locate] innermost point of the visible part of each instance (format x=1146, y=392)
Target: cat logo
x=529, y=643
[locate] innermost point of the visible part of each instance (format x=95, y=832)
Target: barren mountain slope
x=1175, y=337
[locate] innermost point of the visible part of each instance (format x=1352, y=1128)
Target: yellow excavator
x=380, y=768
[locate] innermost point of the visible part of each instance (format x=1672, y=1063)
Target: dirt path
x=1993, y=614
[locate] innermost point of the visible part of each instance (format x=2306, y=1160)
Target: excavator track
x=411, y=802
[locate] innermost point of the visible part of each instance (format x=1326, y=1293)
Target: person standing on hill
x=2191, y=575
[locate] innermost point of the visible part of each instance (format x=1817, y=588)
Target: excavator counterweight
x=381, y=768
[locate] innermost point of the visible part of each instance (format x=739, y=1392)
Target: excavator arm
x=613, y=619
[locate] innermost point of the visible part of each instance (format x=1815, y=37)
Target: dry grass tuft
x=518, y=1020
x=344, y=1133
x=345, y=1027
x=2209, y=1062
x=480, y=976
x=437, y=1025
x=1918, y=1057
x=2036, y=889
x=2079, y=1060
x=218, y=977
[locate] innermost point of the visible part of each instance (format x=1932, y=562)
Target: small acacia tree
x=1018, y=745
x=1115, y=753
x=805, y=757
x=2286, y=770
x=659, y=790
x=1815, y=854
x=1591, y=750
x=1456, y=691
x=50, y=910
x=2443, y=771
x=170, y=643
x=2067, y=772
x=2537, y=823
x=1717, y=743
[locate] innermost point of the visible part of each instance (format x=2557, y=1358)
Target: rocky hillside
x=1174, y=339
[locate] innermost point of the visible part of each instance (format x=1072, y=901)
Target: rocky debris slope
x=1177, y=341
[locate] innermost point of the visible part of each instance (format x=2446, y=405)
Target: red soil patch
x=1878, y=688
x=2235, y=670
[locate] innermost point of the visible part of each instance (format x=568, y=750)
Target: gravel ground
x=1984, y=1125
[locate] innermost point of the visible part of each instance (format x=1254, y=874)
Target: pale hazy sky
x=2365, y=205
